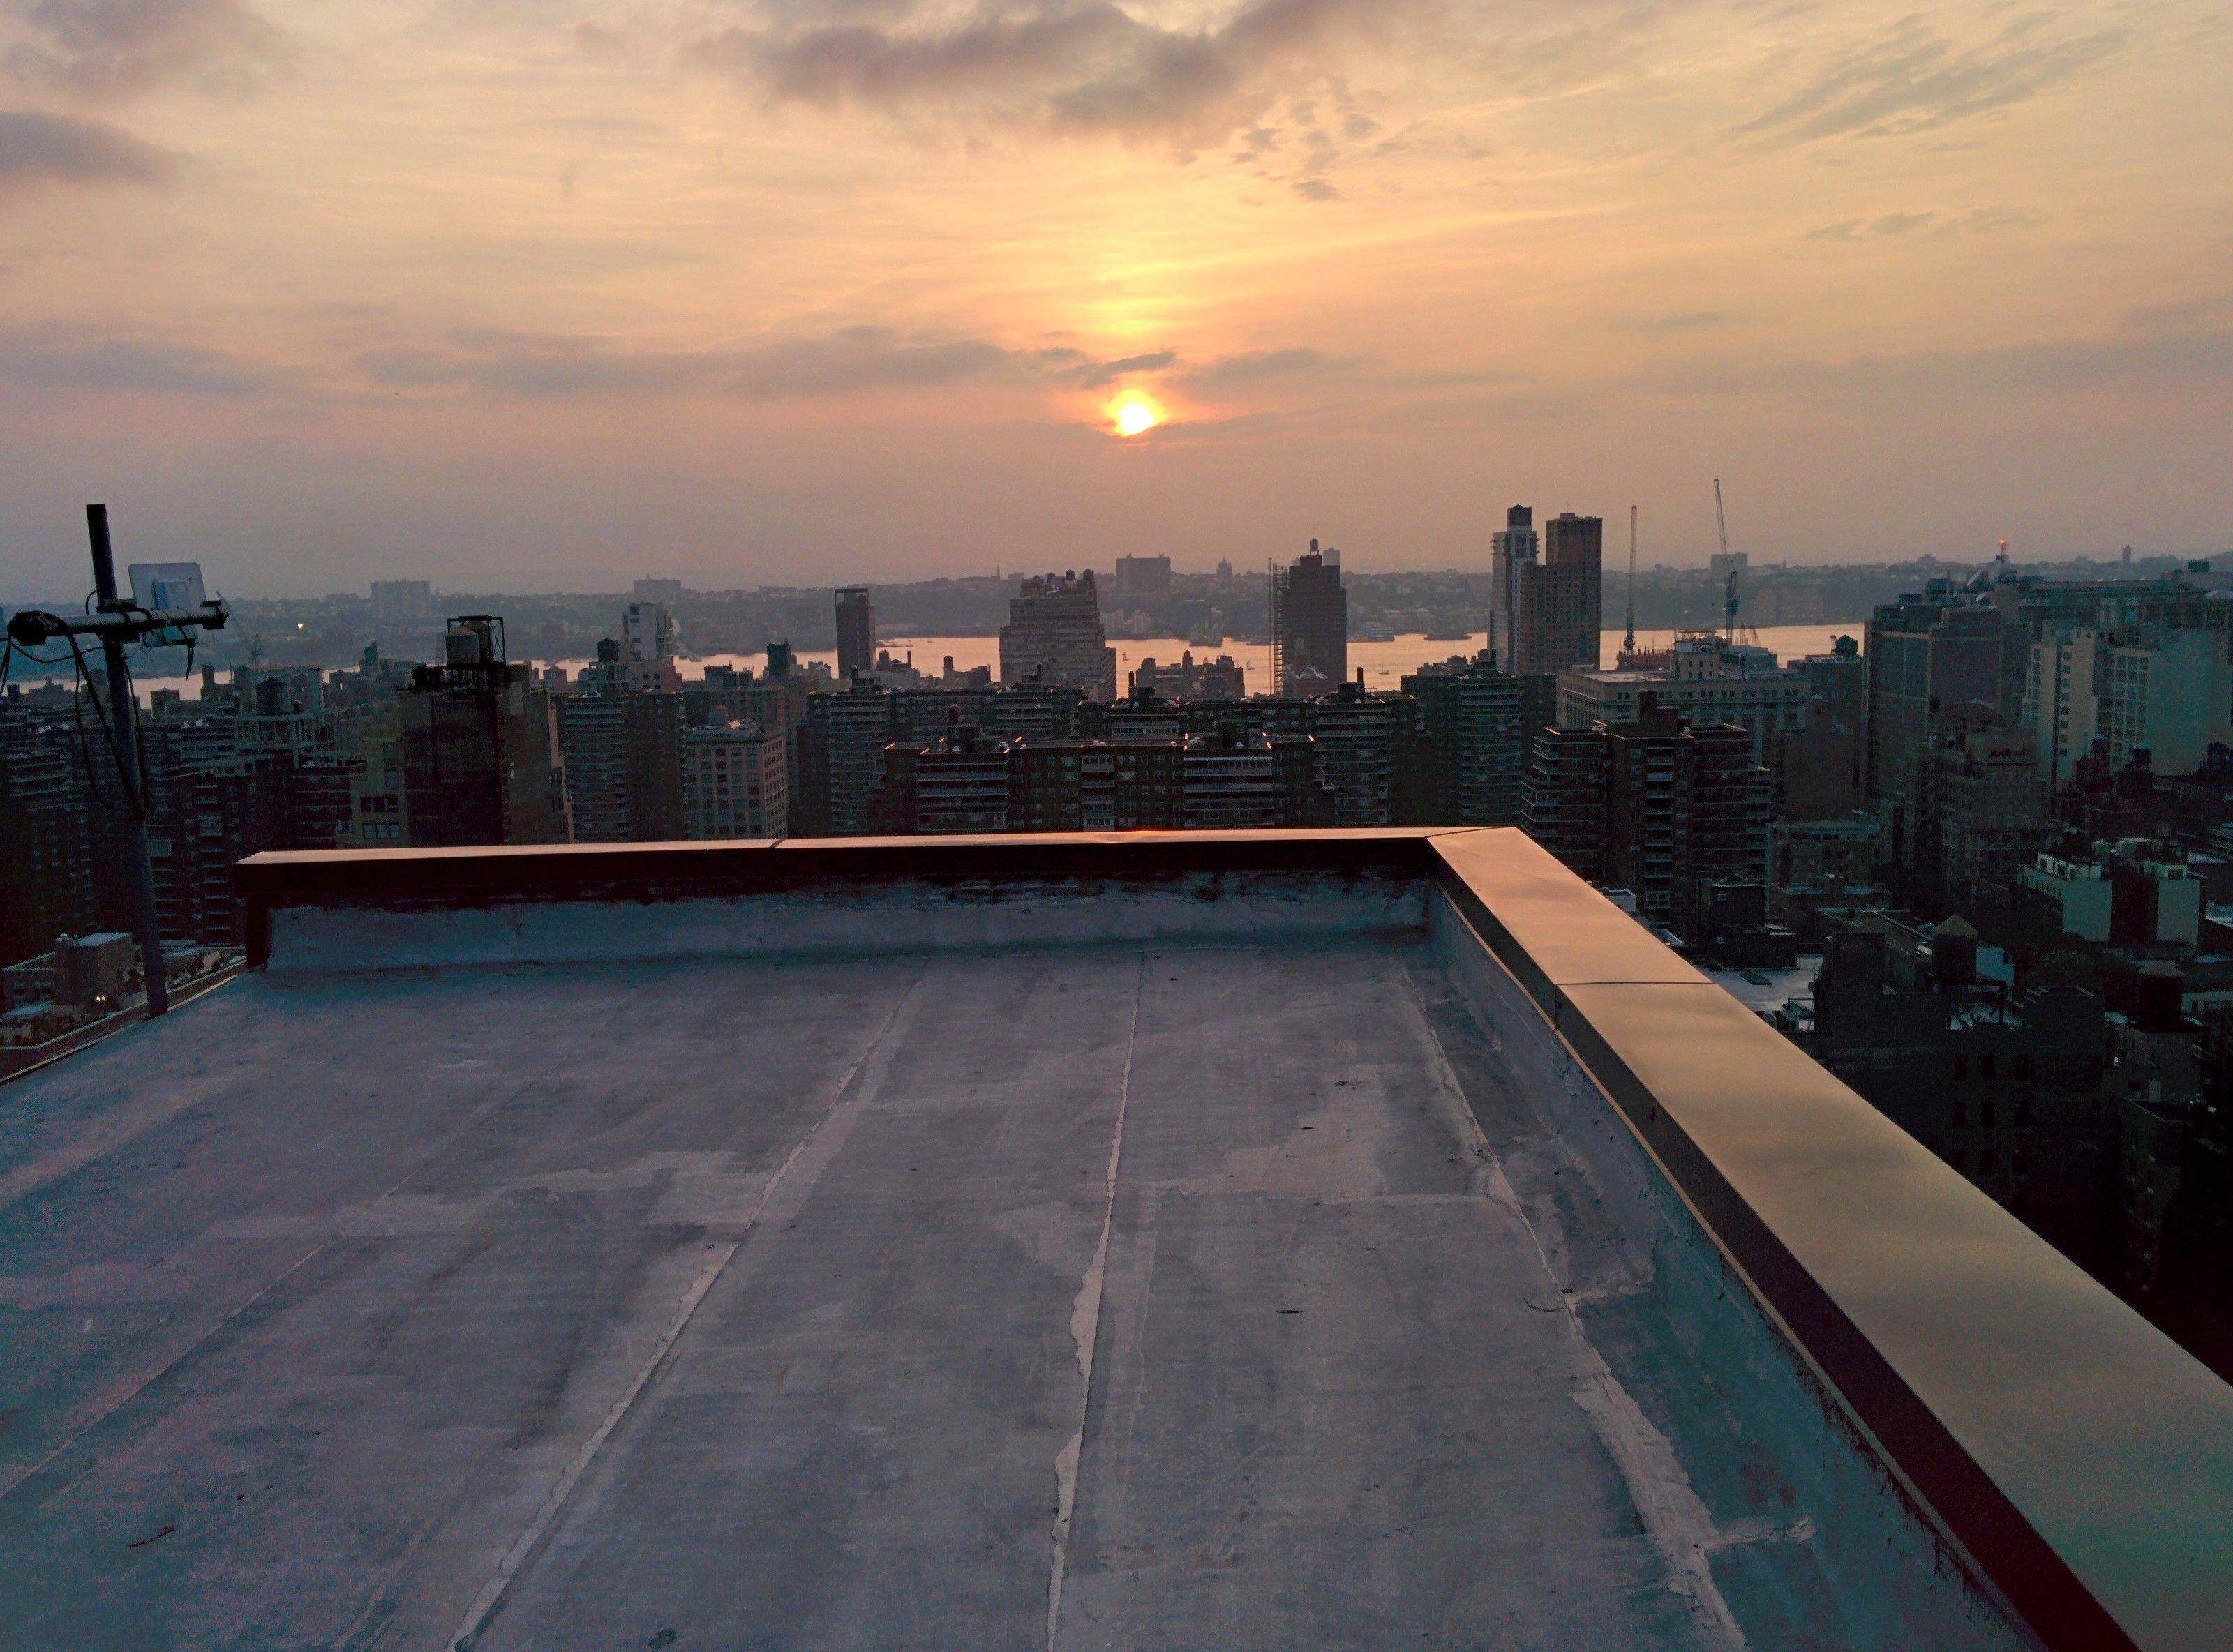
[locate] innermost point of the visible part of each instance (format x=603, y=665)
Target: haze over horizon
x=802, y=291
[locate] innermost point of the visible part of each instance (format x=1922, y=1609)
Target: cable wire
x=135, y=806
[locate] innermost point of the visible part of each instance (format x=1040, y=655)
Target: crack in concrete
x=1085, y=1326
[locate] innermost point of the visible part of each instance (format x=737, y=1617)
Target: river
x=1384, y=663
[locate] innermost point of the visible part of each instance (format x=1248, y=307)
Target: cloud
x=854, y=359
x=1894, y=225
x=108, y=48
x=1913, y=79
x=60, y=148
x=1076, y=66
x=1252, y=366
x=59, y=358
x=1688, y=321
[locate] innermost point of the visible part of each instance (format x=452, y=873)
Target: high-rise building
x=1054, y=636
x=2169, y=691
x=1653, y=806
x=735, y=781
x=856, y=632
x=49, y=849
x=1926, y=654
x=480, y=764
x=624, y=750
x=1372, y=757
x=1480, y=726
x=841, y=761
x=1310, y=624
x=1513, y=547
x=1546, y=616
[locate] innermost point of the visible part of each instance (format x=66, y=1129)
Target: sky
x=547, y=295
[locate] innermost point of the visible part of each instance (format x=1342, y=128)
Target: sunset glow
x=497, y=291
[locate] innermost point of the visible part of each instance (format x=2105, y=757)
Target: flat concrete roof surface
x=1180, y=1296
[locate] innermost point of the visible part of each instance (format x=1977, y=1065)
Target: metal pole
x=123, y=714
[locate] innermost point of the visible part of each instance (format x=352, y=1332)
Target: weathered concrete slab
x=1133, y=1296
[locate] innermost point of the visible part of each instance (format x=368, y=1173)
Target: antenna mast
x=1628, y=643
x=1728, y=568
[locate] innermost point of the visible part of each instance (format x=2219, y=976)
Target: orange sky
x=547, y=295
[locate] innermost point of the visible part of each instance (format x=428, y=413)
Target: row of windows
x=383, y=831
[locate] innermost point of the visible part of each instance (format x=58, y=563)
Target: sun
x=1133, y=414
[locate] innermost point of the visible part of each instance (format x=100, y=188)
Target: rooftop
x=1238, y=1239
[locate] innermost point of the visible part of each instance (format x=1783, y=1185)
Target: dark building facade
x=50, y=846
x=1309, y=625
x=2006, y=1087
x=478, y=760
x=1479, y=728
x=856, y=632
x=1929, y=656
x=623, y=764
x=1655, y=806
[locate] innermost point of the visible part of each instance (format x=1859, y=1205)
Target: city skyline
x=738, y=290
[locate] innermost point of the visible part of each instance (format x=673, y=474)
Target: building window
x=1961, y=1068
x=1984, y=1161
x=1985, y=1114
x=1985, y=1065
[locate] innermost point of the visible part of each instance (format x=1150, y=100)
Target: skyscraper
x=1054, y=637
x=1513, y=547
x=1309, y=625
x=1547, y=618
x=856, y=632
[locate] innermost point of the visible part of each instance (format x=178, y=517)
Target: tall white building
x=1054, y=636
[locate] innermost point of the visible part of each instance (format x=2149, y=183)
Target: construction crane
x=1729, y=568
x=1627, y=642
